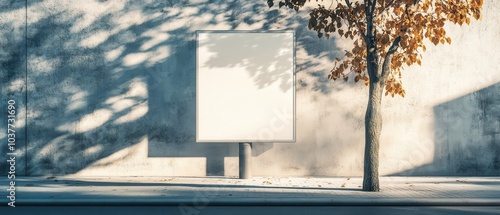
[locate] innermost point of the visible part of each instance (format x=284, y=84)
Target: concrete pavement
x=224, y=191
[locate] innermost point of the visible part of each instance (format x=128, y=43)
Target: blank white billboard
x=245, y=86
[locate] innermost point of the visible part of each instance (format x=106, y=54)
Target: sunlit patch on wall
x=160, y=54
x=93, y=150
x=42, y=65
x=93, y=120
x=53, y=146
x=134, y=59
x=122, y=104
x=156, y=37
x=16, y=85
x=77, y=101
x=115, y=53
x=137, y=88
x=95, y=39
x=134, y=114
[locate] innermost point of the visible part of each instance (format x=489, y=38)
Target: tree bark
x=373, y=117
x=373, y=128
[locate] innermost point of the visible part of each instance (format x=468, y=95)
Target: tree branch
x=348, y=3
x=370, y=39
x=388, y=58
x=389, y=4
x=373, y=4
x=385, y=7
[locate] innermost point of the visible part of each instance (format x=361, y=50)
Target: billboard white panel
x=245, y=86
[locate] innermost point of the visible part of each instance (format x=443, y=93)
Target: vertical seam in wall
x=26, y=90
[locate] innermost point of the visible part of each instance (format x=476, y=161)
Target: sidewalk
x=395, y=191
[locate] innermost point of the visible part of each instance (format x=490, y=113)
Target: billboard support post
x=245, y=157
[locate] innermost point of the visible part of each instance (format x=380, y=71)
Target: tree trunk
x=373, y=128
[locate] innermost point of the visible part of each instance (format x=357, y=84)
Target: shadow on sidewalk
x=465, y=181
x=82, y=183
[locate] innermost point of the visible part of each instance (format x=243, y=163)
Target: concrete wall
x=110, y=90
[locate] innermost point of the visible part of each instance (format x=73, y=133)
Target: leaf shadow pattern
x=107, y=77
x=263, y=56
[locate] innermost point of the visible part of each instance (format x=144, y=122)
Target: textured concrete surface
x=111, y=92
x=291, y=191
x=13, y=79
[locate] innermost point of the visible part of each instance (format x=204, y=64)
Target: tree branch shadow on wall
x=466, y=136
x=175, y=135
x=99, y=86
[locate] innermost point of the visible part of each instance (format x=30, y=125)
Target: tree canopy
x=398, y=28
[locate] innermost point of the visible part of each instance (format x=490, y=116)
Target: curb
x=262, y=202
